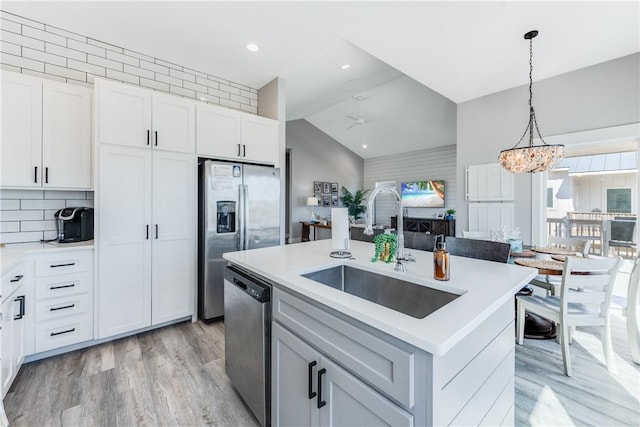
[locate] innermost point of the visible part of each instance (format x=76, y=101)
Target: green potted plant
x=354, y=202
x=450, y=214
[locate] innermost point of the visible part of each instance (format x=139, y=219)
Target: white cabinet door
x=21, y=131
x=218, y=132
x=124, y=239
x=489, y=182
x=259, y=139
x=174, y=220
x=66, y=135
x=12, y=336
x=6, y=354
x=349, y=402
x=123, y=114
x=174, y=123
x=491, y=216
x=292, y=362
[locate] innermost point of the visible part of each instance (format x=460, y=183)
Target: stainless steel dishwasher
x=247, y=337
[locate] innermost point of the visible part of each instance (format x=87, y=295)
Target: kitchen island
x=341, y=359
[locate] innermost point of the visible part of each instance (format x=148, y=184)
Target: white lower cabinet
x=12, y=316
x=62, y=300
x=328, y=369
x=310, y=389
x=146, y=232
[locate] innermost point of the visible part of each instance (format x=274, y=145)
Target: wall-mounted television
x=422, y=194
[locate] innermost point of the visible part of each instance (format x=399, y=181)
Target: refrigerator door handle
x=241, y=214
x=245, y=216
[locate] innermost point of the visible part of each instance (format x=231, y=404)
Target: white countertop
x=484, y=285
x=13, y=253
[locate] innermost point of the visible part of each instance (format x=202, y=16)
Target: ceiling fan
x=356, y=121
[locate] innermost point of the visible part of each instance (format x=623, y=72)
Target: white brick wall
x=38, y=49
x=27, y=215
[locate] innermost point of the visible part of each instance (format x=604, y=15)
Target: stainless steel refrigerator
x=239, y=208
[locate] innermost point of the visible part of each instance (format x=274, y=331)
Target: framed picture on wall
x=319, y=197
x=334, y=188
x=317, y=187
x=334, y=200
x=326, y=200
x=326, y=188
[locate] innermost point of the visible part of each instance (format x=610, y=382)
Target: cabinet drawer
x=64, y=263
x=63, y=285
x=12, y=279
x=59, y=307
x=62, y=332
x=385, y=366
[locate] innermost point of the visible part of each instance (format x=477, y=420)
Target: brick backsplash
x=27, y=215
x=38, y=49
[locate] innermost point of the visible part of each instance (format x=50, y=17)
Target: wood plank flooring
x=168, y=377
x=175, y=377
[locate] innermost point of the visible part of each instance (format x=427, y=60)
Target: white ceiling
x=461, y=50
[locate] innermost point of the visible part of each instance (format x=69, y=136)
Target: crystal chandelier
x=531, y=158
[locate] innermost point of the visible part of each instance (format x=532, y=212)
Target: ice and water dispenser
x=225, y=217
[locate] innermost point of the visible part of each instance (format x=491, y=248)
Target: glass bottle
x=440, y=260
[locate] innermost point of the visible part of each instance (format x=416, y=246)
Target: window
x=550, y=197
x=619, y=200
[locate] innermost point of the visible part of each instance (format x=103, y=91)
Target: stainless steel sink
x=406, y=297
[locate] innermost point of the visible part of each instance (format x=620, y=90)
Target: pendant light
x=531, y=158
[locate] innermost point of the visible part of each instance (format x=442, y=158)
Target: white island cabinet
x=338, y=359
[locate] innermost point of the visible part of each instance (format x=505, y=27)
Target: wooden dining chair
x=588, y=307
x=632, y=312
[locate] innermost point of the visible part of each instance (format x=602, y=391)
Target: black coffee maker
x=74, y=224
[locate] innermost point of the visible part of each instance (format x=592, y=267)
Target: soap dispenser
x=440, y=259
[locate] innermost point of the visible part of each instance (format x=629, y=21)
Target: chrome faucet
x=368, y=229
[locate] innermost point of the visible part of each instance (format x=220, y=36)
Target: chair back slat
x=588, y=297
x=597, y=286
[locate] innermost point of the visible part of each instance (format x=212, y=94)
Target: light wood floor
x=175, y=376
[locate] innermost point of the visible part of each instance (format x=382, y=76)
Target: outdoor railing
x=587, y=225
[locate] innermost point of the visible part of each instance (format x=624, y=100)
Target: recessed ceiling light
x=252, y=47
x=202, y=99
x=364, y=145
x=345, y=66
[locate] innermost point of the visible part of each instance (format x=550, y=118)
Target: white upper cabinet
x=230, y=134
x=21, y=143
x=174, y=123
x=66, y=136
x=139, y=117
x=260, y=139
x=489, y=182
x=123, y=114
x=46, y=133
x=218, y=132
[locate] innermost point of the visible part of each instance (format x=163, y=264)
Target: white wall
x=317, y=157
x=600, y=96
x=432, y=164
